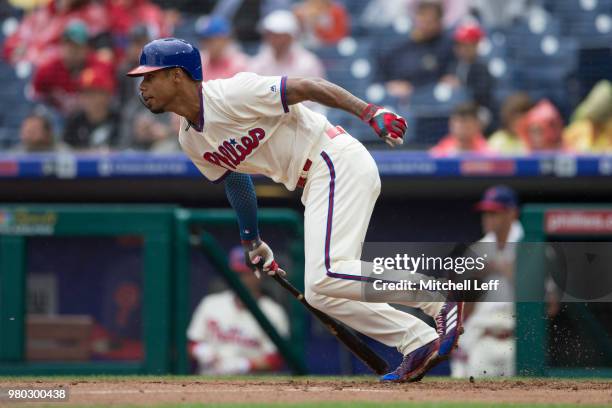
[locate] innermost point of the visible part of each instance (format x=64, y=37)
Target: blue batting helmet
x=169, y=53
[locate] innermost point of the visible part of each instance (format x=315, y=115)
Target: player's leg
x=339, y=200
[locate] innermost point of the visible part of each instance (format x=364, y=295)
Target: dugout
x=109, y=289
x=51, y=249
x=576, y=341
x=175, y=248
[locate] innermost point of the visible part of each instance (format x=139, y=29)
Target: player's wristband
x=250, y=244
x=369, y=112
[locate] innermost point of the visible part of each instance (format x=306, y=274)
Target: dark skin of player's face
x=157, y=90
x=171, y=90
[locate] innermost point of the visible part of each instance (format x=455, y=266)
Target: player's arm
x=240, y=193
x=387, y=125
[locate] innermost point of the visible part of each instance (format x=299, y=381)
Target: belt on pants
x=331, y=133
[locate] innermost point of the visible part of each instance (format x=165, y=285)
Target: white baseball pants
x=339, y=196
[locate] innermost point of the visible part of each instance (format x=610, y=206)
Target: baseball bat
x=341, y=332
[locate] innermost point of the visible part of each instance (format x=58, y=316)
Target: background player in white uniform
x=251, y=124
x=488, y=348
x=225, y=338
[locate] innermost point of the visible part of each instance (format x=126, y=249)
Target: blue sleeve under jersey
x=241, y=195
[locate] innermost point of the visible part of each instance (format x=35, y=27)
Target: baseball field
x=320, y=392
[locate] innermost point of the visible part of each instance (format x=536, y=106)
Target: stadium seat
x=349, y=64
x=594, y=65
x=14, y=105
x=589, y=21
x=429, y=109
x=354, y=9
x=547, y=51
x=186, y=29
x=436, y=99
x=388, y=38
x=537, y=22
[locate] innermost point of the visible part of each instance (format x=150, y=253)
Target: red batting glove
x=387, y=125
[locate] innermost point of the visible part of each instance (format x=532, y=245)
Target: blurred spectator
x=454, y=11
x=190, y=7
x=487, y=347
x=127, y=14
x=57, y=81
x=245, y=15
x=225, y=338
x=384, y=13
x=323, y=22
x=281, y=54
x=467, y=70
x=128, y=88
x=421, y=60
x=498, y=13
x=14, y=8
x=379, y=14
x=39, y=35
x=154, y=134
x=591, y=127
x=134, y=118
x=541, y=127
x=26, y=5
x=269, y=6
x=221, y=57
x=506, y=140
x=36, y=135
x=465, y=133
x=95, y=126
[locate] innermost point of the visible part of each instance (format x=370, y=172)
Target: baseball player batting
x=252, y=124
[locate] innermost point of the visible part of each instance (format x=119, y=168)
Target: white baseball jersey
x=481, y=355
x=231, y=330
x=249, y=128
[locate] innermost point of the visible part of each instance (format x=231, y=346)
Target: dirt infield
x=167, y=390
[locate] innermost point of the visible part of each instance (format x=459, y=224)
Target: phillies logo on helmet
x=232, y=152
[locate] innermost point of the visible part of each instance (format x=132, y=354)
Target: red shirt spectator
x=325, y=20
x=541, y=127
x=451, y=145
x=126, y=14
x=96, y=124
x=56, y=82
x=465, y=133
x=38, y=37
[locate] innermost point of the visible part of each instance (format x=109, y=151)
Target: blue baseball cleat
x=416, y=364
x=449, y=325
